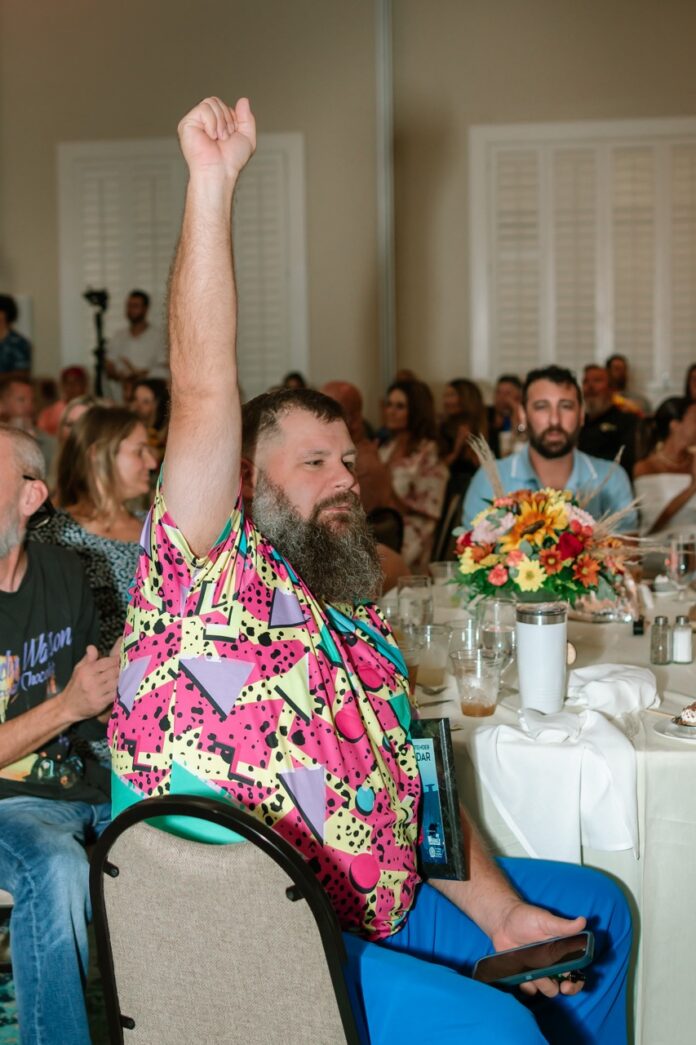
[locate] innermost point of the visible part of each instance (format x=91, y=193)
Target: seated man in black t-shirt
x=54, y=775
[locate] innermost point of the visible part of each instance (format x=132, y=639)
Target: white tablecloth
x=660, y=885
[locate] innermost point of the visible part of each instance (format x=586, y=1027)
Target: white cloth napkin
x=615, y=689
x=561, y=782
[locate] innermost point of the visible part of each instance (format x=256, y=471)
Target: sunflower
x=535, y=524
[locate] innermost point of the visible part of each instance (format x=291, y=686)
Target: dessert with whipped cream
x=687, y=716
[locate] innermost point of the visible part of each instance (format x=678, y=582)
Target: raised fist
x=217, y=140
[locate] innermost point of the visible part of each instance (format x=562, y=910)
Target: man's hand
x=524, y=924
x=92, y=685
x=218, y=140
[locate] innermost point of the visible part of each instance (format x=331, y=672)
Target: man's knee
x=510, y=1023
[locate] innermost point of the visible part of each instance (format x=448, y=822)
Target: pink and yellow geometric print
x=236, y=682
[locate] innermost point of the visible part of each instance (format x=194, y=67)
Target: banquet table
x=659, y=884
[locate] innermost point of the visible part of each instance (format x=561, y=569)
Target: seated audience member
x=294, y=379
x=503, y=415
x=17, y=408
x=690, y=383
x=552, y=410
x=624, y=397
x=104, y=463
x=138, y=350
x=606, y=428
x=54, y=775
x=73, y=384
x=464, y=414
x=150, y=403
x=665, y=481
x=304, y=720
x=372, y=473
x=15, y=350
x=418, y=476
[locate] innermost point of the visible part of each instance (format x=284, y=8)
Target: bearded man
x=553, y=413
x=256, y=669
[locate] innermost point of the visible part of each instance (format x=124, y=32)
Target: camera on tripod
x=97, y=298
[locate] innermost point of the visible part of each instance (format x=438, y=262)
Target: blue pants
x=44, y=865
x=412, y=988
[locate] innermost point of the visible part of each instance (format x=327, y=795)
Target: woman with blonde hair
x=104, y=464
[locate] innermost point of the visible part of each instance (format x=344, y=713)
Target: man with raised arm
x=256, y=669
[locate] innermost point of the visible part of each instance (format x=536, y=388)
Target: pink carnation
x=515, y=557
x=488, y=532
x=579, y=515
x=498, y=575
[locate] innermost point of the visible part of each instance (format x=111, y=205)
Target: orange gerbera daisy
x=586, y=570
x=551, y=560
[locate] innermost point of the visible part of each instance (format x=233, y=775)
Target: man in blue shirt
x=552, y=407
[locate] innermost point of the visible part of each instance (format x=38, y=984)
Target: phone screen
x=545, y=958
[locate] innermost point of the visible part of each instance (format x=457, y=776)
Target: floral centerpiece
x=539, y=545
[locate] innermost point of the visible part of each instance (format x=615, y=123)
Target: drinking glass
x=446, y=594
x=464, y=635
x=411, y=652
x=478, y=681
x=497, y=620
x=390, y=612
x=433, y=640
x=681, y=563
x=415, y=601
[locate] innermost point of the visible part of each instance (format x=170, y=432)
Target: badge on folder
x=440, y=849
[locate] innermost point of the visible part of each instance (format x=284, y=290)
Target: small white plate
x=667, y=728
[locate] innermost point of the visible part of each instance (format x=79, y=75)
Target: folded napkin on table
x=561, y=781
x=615, y=689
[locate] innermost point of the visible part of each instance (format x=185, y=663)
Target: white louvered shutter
x=120, y=215
x=583, y=242
x=516, y=257
x=682, y=296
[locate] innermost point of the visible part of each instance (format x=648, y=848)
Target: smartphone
x=531, y=962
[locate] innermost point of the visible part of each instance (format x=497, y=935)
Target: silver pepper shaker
x=661, y=641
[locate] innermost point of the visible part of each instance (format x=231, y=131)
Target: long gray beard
x=336, y=565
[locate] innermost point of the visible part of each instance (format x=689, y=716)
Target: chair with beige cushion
x=215, y=943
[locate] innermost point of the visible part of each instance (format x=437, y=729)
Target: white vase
x=541, y=631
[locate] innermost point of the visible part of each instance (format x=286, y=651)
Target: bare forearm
x=486, y=897
x=202, y=307
x=22, y=735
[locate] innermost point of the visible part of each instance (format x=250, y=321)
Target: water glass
x=433, y=640
x=681, y=564
x=464, y=635
x=415, y=601
x=498, y=617
x=446, y=594
x=478, y=681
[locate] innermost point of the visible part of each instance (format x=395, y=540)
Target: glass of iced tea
x=411, y=652
x=478, y=680
x=433, y=640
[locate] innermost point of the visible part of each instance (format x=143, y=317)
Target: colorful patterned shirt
x=236, y=682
